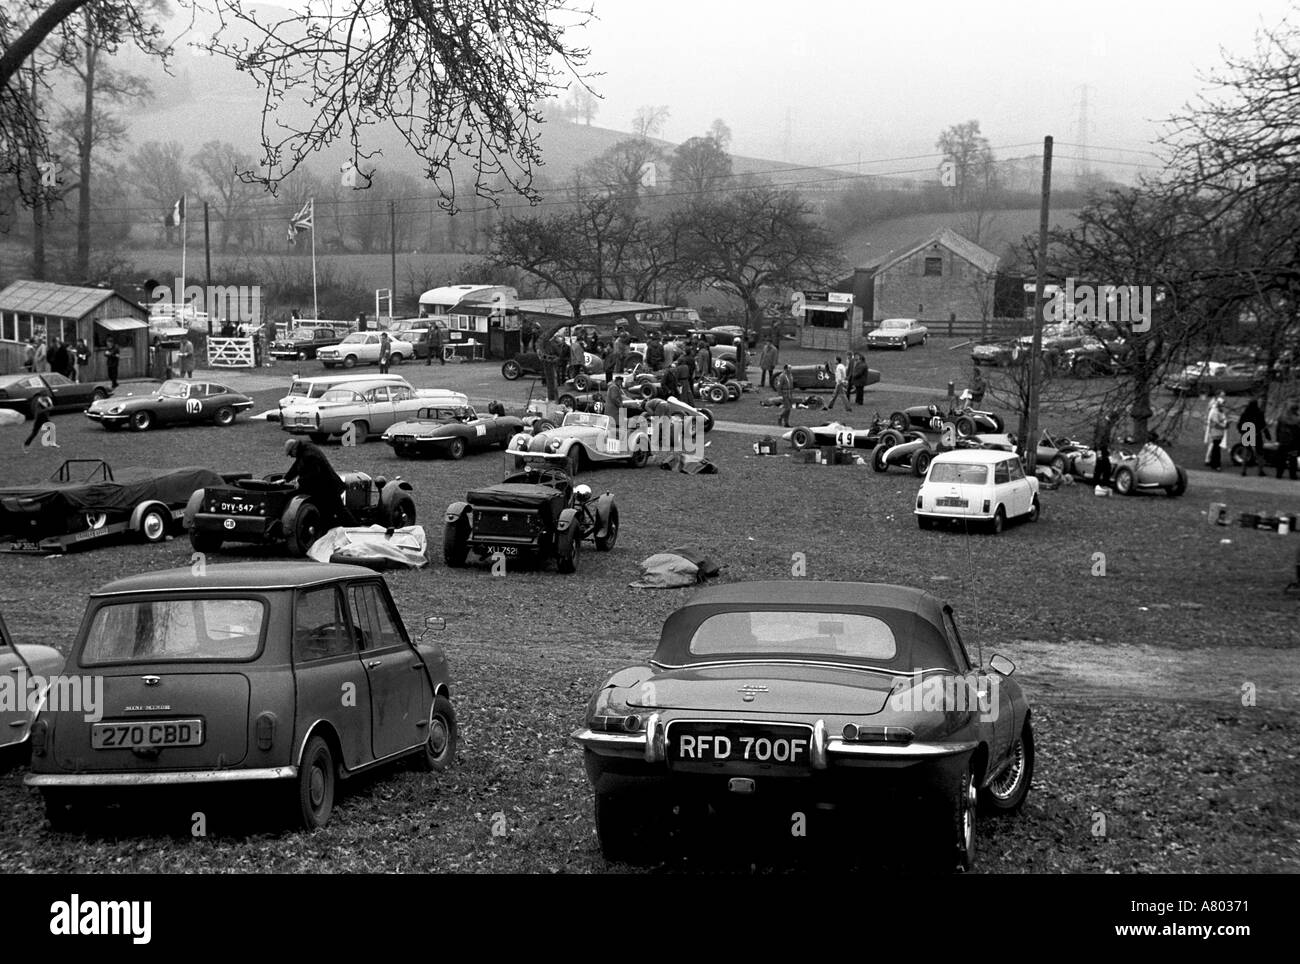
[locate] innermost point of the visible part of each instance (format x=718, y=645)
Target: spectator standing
x=1254, y=433
x=654, y=352
x=435, y=345
x=83, y=359
x=186, y=353
x=768, y=358
x=1288, y=438
x=841, y=384
x=668, y=385
x=58, y=357
x=671, y=351
x=858, y=372
x=42, y=365
x=977, y=386
x=703, y=361
x=112, y=355
x=1216, y=426
x=784, y=383
x=29, y=355
x=385, y=352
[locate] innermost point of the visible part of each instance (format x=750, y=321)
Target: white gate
x=231, y=353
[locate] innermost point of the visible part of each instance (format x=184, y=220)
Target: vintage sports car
x=451, y=431
x=536, y=513
x=930, y=418
x=362, y=348
x=302, y=344
x=27, y=668
x=85, y=503
x=1150, y=469
x=583, y=438
x=909, y=450
x=30, y=393
x=1210, y=378
x=985, y=486
x=998, y=353
x=367, y=407
x=270, y=510
x=898, y=333
x=234, y=674
x=803, y=695
x=880, y=432
x=1095, y=357
x=176, y=401
x=530, y=363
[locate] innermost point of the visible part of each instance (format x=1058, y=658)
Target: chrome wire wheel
x=969, y=804
x=1006, y=784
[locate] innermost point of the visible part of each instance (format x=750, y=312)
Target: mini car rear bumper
x=172, y=777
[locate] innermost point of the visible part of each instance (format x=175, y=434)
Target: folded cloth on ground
x=373, y=546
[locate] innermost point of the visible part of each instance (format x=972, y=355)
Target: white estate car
x=369, y=405
x=362, y=348
x=985, y=486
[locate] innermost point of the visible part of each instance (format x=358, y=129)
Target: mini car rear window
x=794, y=632
x=960, y=473
x=175, y=629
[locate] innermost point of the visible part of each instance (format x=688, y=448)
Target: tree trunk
x=82, y=266
x=38, y=239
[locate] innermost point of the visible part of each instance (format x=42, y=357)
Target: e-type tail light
x=265, y=730
x=877, y=734
x=39, y=736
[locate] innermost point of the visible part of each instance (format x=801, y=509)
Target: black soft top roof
x=522, y=495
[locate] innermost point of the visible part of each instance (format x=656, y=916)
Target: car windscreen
x=895, y=324
x=174, y=389
x=961, y=473
x=794, y=632
x=174, y=629
x=586, y=418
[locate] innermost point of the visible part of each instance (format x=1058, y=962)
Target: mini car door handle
x=372, y=663
x=15, y=669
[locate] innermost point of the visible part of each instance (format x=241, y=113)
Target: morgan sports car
x=451, y=431
x=233, y=676
x=537, y=512
x=270, y=510
x=85, y=503
x=584, y=438
x=1150, y=469
x=808, y=695
x=177, y=401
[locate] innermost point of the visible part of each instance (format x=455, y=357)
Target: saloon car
x=30, y=393
x=26, y=669
x=85, y=503
x=898, y=333
x=234, y=675
x=583, y=439
x=1209, y=378
x=806, y=695
x=367, y=407
x=177, y=401
x=302, y=344
x=451, y=431
x=362, y=348
x=1150, y=469
x=535, y=513
x=272, y=511
x=1095, y=357
x=987, y=487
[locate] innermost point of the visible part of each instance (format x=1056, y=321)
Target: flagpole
x=185, y=223
x=314, y=301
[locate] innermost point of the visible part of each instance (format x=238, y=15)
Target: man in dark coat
x=317, y=479
x=784, y=383
x=858, y=372
x=58, y=357
x=1288, y=438
x=1254, y=433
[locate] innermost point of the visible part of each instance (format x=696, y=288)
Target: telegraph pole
x=392, y=245
x=1029, y=442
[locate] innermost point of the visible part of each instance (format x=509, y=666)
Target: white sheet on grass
x=405, y=546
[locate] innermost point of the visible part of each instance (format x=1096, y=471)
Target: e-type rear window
x=790, y=632
x=174, y=629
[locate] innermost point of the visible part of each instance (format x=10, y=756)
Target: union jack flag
x=302, y=221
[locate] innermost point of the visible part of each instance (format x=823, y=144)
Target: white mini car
x=985, y=486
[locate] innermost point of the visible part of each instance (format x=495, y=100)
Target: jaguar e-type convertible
x=808, y=695
x=451, y=431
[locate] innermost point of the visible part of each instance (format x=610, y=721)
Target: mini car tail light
x=918, y=500
x=986, y=505
x=265, y=730
x=39, y=733
x=877, y=734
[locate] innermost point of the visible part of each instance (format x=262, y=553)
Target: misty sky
x=880, y=80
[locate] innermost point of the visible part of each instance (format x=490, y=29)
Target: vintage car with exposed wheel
x=1149, y=469
x=584, y=439
x=272, y=511
x=362, y=348
x=931, y=418
x=451, y=431
x=177, y=401
x=765, y=698
x=909, y=450
x=535, y=514
x=26, y=670
x=49, y=391
x=1000, y=354
x=843, y=436
x=85, y=503
x=364, y=408
x=981, y=486
x=284, y=676
x=530, y=363
x=900, y=333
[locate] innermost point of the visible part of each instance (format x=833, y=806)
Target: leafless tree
x=971, y=157
x=700, y=166
x=649, y=120
x=219, y=163
x=159, y=173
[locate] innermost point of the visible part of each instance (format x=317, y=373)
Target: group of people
x=1252, y=428
x=61, y=357
x=850, y=378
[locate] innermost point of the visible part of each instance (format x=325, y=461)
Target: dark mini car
x=293, y=675
x=176, y=401
x=451, y=431
x=270, y=510
x=27, y=667
x=808, y=695
x=30, y=393
x=536, y=513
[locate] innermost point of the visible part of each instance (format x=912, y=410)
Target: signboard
x=840, y=297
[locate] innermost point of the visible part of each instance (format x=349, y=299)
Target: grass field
x=1136, y=678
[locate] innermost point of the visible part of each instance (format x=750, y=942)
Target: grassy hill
x=999, y=230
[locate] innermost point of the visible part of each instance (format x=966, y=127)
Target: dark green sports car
x=176, y=401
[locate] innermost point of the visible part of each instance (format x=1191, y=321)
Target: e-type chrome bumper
x=651, y=745
x=157, y=779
